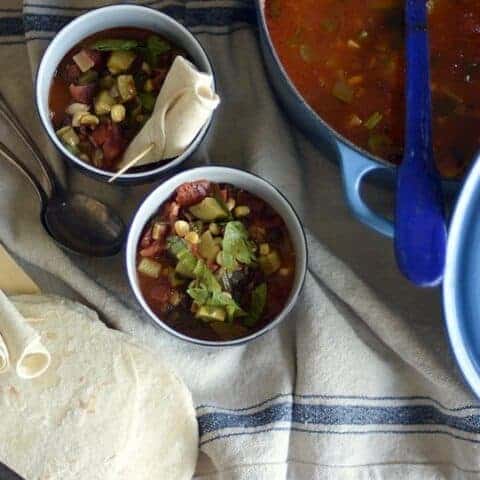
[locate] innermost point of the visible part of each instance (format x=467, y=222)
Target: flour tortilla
x=105, y=408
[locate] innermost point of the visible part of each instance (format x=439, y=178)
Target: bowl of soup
x=216, y=256
x=98, y=81
x=339, y=69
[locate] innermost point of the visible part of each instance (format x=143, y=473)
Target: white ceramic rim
x=195, y=49
x=236, y=177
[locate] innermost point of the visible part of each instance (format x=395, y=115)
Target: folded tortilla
x=183, y=106
x=20, y=344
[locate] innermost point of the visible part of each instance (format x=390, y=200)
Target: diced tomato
x=70, y=73
x=171, y=211
x=192, y=193
x=100, y=134
x=161, y=291
x=146, y=238
x=224, y=194
x=153, y=249
x=109, y=137
x=82, y=93
x=98, y=58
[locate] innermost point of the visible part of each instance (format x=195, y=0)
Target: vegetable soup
x=215, y=263
x=346, y=57
x=104, y=90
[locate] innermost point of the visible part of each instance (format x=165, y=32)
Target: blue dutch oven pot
x=355, y=162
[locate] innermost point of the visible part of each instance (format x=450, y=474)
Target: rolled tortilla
x=4, y=357
x=21, y=343
x=183, y=106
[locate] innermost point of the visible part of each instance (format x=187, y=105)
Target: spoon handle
x=9, y=116
x=11, y=158
x=420, y=231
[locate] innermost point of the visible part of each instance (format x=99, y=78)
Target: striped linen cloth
x=358, y=382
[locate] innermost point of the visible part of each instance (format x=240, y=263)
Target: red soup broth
x=346, y=58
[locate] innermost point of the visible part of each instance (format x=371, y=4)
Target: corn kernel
x=192, y=237
x=284, y=272
x=181, y=228
x=241, y=211
x=89, y=119
x=214, y=229
x=264, y=249
x=146, y=68
x=148, y=86
x=118, y=113
x=175, y=298
x=230, y=203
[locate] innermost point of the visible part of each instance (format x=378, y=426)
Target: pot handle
x=354, y=168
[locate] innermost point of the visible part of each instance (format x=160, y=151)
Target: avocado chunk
x=208, y=210
x=211, y=314
x=186, y=266
x=270, y=263
x=207, y=247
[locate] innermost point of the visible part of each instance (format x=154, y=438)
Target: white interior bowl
x=103, y=19
x=241, y=179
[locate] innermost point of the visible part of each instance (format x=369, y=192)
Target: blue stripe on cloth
x=340, y=432
x=191, y=17
x=418, y=415
x=341, y=397
x=150, y=3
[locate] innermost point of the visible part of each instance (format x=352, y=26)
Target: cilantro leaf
x=199, y=294
x=259, y=300
x=236, y=246
x=222, y=299
x=114, y=44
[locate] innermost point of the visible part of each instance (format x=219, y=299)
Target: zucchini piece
x=373, y=120
x=88, y=77
x=211, y=314
x=68, y=136
x=126, y=87
x=270, y=263
x=120, y=61
x=343, y=91
x=103, y=103
x=149, y=267
x=186, y=265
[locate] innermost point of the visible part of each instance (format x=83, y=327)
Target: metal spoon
x=8, y=474
x=420, y=230
x=79, y=223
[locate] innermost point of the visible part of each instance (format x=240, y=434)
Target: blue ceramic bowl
x=461, y=284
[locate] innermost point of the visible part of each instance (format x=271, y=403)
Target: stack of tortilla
x=105, y=408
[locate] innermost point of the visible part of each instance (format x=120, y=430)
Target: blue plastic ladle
x=420, y=230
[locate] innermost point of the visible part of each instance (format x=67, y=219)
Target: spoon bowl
x=84, y=225
x=77, y=222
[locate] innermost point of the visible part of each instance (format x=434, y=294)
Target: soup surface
x=346, y=57
x=215, y=263
x=104, y=91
